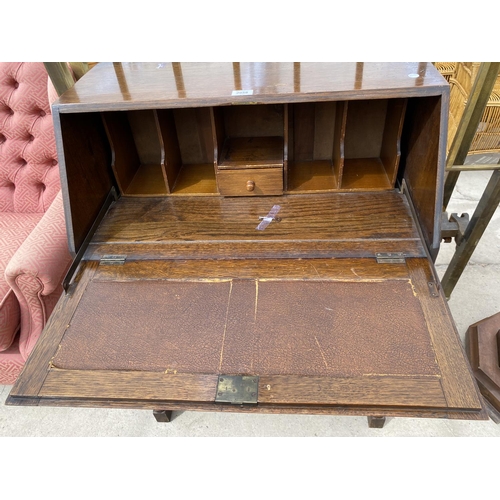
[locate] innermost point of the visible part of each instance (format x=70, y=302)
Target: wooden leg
x=482, y=215
x=162, y=415
x=376, y=422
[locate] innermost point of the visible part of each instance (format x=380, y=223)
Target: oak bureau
x=254, y=237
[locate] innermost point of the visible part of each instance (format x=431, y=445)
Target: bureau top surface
x=123, y=86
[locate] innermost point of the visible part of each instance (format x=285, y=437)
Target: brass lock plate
x=237, y=389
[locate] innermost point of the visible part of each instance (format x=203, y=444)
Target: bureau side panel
x=423, y=156
x=86, y=175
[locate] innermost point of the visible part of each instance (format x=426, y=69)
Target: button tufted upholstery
x=29, y=175
x=33, y=244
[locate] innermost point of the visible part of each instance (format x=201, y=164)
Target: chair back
x=29, y=171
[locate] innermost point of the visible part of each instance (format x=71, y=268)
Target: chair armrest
x=36, y=271
x=44, y=254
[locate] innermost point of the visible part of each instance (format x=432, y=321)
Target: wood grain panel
x=338, y=153
x=252, y=152
x=325, y=217
x=145, y=136
x=365, y=128
x=147, y=181
x=196, y=180
x=303, y=131
x=263, y=250
x=129, y=385
x=151, y=84
x=324, y=127
x=277, y=390
x=194, y=132
x=219, y=134
x=379, y=391
x=254, y=121
x=311, y=176
x=125, y=160
x=364, y=411
x=283, y=269
x=390, y=152
x=423, y=154
x=171, y=159
x=286, y=145
x=459, y=386
x=86, y=174
x=365, y=174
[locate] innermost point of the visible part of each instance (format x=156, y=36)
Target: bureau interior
x=164, y=151
x=250, y=136
x=318, y=146
x=315, y=145
x=372, y=147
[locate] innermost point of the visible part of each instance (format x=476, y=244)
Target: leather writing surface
x=275, y=327
x=144, y=325
x=327, y=328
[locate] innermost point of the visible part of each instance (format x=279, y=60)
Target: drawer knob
x=250, y=185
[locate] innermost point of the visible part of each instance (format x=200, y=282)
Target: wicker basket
x=447, y=69
x=487, y=137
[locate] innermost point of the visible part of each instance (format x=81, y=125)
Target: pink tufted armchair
x=33, y=246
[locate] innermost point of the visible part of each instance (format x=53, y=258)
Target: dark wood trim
x=256, y=269
x=97, y=384
x=267, y=409
x=33, y=375
x=263, y=250
x=458, y=383
x=358, y=391
x=277, y=99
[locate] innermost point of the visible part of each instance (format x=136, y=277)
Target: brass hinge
x=390, y=258
x=112, y=260
x=237, y=389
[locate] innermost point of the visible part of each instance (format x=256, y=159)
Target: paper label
x=242, y=92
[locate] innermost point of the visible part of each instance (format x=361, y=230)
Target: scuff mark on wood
x=256, y=300
x=321, y=351
x=413, y=288
x=225, y=325
x=314, y=267
x=51, y=362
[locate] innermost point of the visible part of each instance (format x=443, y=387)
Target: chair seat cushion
x=14, y=229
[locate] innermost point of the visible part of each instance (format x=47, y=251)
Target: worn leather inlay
x=326, y=328
x=151, y=326
x=320, y=328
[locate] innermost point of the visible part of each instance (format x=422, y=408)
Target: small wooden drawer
x=250, y=182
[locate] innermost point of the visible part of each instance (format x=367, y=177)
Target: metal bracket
x=237, y=389
x=433, y=290
x=390, y=258
x=112, y=260
x=454, y=227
